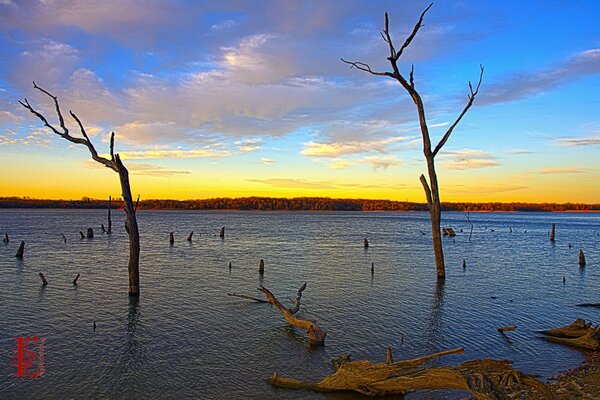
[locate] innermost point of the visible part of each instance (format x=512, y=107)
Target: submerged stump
x=261, y=266
x=6, y=239
x=222, y=233
x=581, y=258
x=90, y=233
x=552, y=232
x=43, y=278
x=171, y=238
x=20, y=250
x=189, y=239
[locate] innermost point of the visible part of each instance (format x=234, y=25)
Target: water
x=186, y=338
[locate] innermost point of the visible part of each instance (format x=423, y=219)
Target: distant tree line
x=293, y=204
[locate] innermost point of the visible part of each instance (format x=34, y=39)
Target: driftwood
x=577, y=334
x=316, y=335
x=243, y=296
x=76, y=278
x=20, y=250
x=552, y=233
x=222, y=233
x=43, y=278
x=486, y=379
x=581, y=258
x=588, y=305
x=448, y=232
x=503, y=329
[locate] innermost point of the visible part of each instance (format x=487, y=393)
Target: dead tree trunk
x=552, y=232
x=20, y=250
x=431, y=188
x=222, y=233
x=113, y=163
x=316, y=335
x=109, y=230
x=6, y=239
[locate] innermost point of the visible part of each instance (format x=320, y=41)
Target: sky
x=251, y=98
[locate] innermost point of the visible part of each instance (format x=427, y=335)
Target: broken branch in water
x=243, y=296
x=316, y=335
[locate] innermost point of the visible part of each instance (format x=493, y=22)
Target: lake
x=186, y=338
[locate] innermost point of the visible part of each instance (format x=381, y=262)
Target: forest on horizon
x=292, y=204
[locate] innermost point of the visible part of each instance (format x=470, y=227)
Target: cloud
x=35, y=138
x=317, y=149
x=267, y=161
x=6, y=117
x=562, y=170
x=340, y=163
x=248, y=146
x=483, y=189
x=593, y=140
x=383, y=162
x=198, y=153
x=295, y=183
x=153, y=170
x=525, y=84
x=518, y=151
x=468, y=159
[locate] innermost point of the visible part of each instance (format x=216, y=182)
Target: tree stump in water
x=90, y=233
x=316, y=335
x=581, y=258
x=20, y=250
x=171, y=238
x=43, y=278
x=366, y=243
x=82, y=235
x=577, y=334
x=486, y=379
x=64, y=237
x=6, y=239
x=552, y=233
x=76, y=278
x=372, y=268
x=190, y=236
x=222, y=233
x=261, y=266
x=229, y=266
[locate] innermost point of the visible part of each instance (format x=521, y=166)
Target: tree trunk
x=109, y=230
x=132, y=229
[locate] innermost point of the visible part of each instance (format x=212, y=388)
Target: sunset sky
x=239, y=98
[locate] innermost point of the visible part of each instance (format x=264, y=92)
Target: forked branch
x=64, y=131
x=471, y=98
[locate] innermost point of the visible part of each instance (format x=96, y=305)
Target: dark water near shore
x=186, y=338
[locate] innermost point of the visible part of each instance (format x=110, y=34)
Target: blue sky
x=234, y=98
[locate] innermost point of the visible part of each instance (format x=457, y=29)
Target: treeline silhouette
x=293, y=204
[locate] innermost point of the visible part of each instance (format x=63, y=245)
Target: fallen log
x=316, y=336
x=485, y=379
x=577, y=334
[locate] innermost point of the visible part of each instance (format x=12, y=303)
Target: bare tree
x=116, y=165
x=431, y=187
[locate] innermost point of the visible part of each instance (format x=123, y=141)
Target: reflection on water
x=186, y=338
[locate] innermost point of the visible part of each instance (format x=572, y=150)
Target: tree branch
x=365, y=67
x=410, y=38
x=471, y=96
x=112, y=146
x=65, y=131
x=427, y=190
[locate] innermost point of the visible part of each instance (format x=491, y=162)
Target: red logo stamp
x=28, y=357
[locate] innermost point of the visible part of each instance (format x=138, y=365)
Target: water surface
x=186, y=338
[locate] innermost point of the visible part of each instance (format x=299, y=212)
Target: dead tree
x=552, y=233
x=113, y=163
x=20, y=250
x=431, y=188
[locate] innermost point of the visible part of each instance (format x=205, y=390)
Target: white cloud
x=468, y=159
